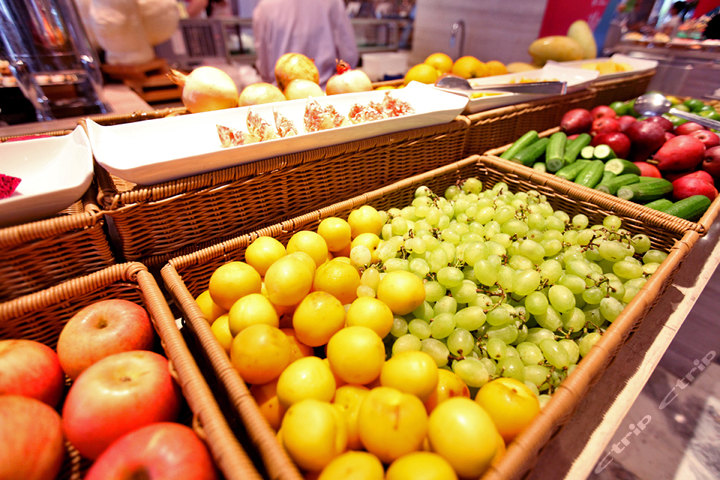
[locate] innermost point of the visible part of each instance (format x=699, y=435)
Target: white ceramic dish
x=575, y=78
x=55, y=172
x=637, y=65
x=159, y=150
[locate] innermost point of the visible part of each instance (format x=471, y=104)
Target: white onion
x=348, y=82
x=260, y=92
x=206, y=88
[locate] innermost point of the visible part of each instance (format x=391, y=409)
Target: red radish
x=648, y=170
x=683, y=152
x=710, y=139
x=605, y=125
x=618, y=141
x=601, y=111
x=687, y=127
x=701, y=174
x=577, y=120
x=688, y=186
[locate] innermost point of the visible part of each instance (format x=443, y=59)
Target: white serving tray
x=638, y=65
x=575, y=78
x=159, y=150
x=55, y=172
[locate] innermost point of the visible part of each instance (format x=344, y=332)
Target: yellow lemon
x=496, y=67
x=422, y=73
x=441, y=61
x=469, y=67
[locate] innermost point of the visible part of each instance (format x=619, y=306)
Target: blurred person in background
x=319, y=29
x=670, y=27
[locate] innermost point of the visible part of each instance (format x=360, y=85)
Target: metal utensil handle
x=526, y=87
x=704, y=121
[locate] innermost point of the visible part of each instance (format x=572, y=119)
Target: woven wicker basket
x=36, y=255
x=187, y=276
x=153, y=223
x=621, y=88
x=499, y=126
x=41, y=316
x=641, y=214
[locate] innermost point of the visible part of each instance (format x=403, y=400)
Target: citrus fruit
x=495, y=67
x=423, y=73
x=469, y=67
x=441, y=61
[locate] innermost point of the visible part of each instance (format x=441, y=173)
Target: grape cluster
x=513, y=287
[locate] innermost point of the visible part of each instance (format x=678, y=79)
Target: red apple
x=31, y=439
x=666, y=124
x=605, y=125
x=159, y=451
x=646, y=138
x=101, y=329
x=601, y=111
x=683, y=152
x=118, y=394
x=688, y=186
x=577, y=120
x=31, y=369
x=711, y=161
x=709, y=138
x=648, y=170
x=626, y=121
x=618, y=141
x=687, y=127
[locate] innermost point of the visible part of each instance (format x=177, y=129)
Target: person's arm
x=195, y=7
x=344, y=34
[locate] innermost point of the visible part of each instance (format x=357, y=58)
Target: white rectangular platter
x=575, y=78
x=159, y=150
x=637, y=65
x=55, y=172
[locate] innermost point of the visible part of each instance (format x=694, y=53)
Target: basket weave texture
x=187, y=276
x=36, y=255
x=40, y=316
x=153, y=223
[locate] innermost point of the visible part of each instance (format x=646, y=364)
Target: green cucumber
x=522, y=142
x=591, y=174
x=603, y=152
x=555, y=151
x=573, y=147
x=661, y=204
x=620, y=166
x=646, y=191
x=540, y=167
x=587, y=152
x=611, y=186
x=606, y=177
x=531, y=153
x=690, y=208
x=569, y=172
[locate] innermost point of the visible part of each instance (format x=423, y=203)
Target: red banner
x=559, y=14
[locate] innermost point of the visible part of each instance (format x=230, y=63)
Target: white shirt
x=319, y=29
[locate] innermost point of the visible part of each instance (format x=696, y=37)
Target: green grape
x=442, y=325
x=536, y=334
x=627, y=270
x=485, y=214
x=449, y=250
x=526, y=282
x=616, y=288
x=571, y=348
x=587, y=341
x=580, y=221
x=437, y=259
x=575, y=284
x=504, y=213
x=495, y=248
x=360, y=256
x=364, y=291
x=505, y=278
x=502, y=239
x=399, y=326
x=434, y=217
x=495, y=347
x=641, y=243
x=450, y=236
x=498, y=316
x=486, y=273
x=520, y=262
x=550, y=271
x=415, y=245
x=386, y=232
x=490, y=366
x=512, y=367
x=550, y=320
x=531, y=386
x=406, y=343
x=536, y=303
x=421, y=211
x=522, y=330
x=543, y=399
x=472, y=185
x=612, y=223
x=570, y=237
x=394, y=264
x=584, y=237
x=515, y=227
x=471, y=371
x=554, y=353
x=654, y=256
x=537, y=375
x=536, y=221
x=561, y=298
x=581, y=268
x=421, y=191
x=551, y=247
x=592, y=295
x=613, y=251
x=573, y=252
x=370, y=277
x=431, y=243
x=421, y=201
x=573, y=320
x=610, y=308
x=424, y=311
x=408, y=212
x=481, y=300
x=419, y=328
x=562, y=216
x=445, y=304
x=507, y=333
x=470, y=318
x=553, y=235
x=554, y=223
x=398, y=226
x=461, y=204
x=436, y=349
x=434, y=291
x=593, y=317
x=530, y=354
x=460, y=342
x=472, y=252
x=637, y=283
x=452, y=192
x=465, y=292
x=419, y=267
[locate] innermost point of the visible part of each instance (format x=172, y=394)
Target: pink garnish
x=8, y=184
